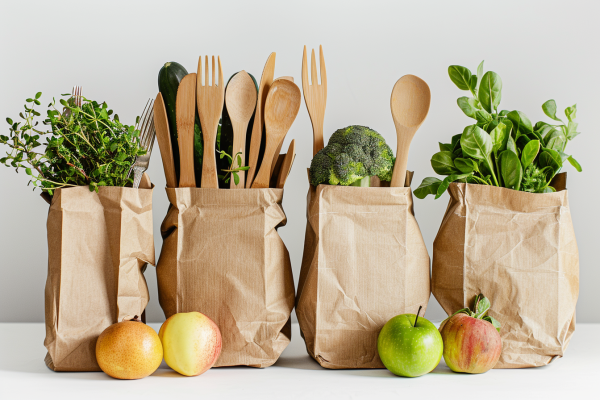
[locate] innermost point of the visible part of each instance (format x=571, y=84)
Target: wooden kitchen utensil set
x=274, y=108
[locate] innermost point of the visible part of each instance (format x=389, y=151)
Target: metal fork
x=146, y=141
x=315, y=96
x=75, y=100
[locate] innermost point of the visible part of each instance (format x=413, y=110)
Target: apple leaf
x=482, y=305
x=493, y=322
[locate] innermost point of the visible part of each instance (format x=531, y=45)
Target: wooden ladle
x=240, y=99
x=281, y=109
x=410, y=104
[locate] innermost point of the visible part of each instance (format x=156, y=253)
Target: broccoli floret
x=353, y=153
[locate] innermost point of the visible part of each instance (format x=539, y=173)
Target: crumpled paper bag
x=519, y=250
x=98, y=246
x=364, y=262
x=222, y=256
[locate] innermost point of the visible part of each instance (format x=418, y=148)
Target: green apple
x=410, y=346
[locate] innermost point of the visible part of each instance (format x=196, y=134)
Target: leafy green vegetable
x=84, y=146
x=354, y=153
x=502, y=148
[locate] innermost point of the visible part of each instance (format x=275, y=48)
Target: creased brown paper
x=98, y=245
x=519, y=250
x=364, y=262
x=222, y=256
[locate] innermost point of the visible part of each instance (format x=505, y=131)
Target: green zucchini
x=169, y=77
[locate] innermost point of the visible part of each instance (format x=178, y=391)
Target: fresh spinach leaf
x=530, y=151
x=442, y=163
x=512, y=172
x=461, y=76
x=490, y=91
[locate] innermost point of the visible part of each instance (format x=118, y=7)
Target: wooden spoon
x=286, y=166
x=163, y=137
x=281, y=109
x=257, y=129
x=410, y=105
x=185, y=111
x=291, y=79
x=240, y=99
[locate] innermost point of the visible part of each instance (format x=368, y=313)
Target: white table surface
x=23, y=375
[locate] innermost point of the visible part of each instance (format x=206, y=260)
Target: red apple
x=472, y=343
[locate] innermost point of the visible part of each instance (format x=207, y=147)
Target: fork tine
x=214, y=71
x=220, y=75
x=152, y=136
x=206, y=73
x=146, y=123
x=304, y=71
x=313, y=68
x=199, y=74
x=323, y=71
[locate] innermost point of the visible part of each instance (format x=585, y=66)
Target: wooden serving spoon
x=291, y=79
x=185, y=111
x=286, y=166
x=257, y=129
x=163, y=137
x=281, y=109
x=240, y=99
x=410, y=104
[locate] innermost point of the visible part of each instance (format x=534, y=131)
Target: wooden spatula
x=286, y=166
x=164, y=140
x=240, y=99
x=291, y=79
x=263, y=90
x=210, y=106
x=281, y=108
x=185, y=110
x=410, y=104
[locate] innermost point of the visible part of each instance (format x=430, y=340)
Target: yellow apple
x=191, y=343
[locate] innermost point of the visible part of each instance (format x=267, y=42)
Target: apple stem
x=417, y=318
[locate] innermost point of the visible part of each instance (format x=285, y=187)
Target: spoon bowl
x=410, y=105
x=281, y=109
x=240, y=99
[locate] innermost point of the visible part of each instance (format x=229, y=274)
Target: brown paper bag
x=364, y=262
x=222, y=256
x=98, y=245
x=519, y=250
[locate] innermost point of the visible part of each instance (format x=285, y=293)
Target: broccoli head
x=352, y=154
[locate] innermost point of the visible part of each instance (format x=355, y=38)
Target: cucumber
x=169, y=77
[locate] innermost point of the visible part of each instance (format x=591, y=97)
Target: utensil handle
x=137, y=176
x=239, y=146
x=399, y=173
x=209, y=166
x=318, y=143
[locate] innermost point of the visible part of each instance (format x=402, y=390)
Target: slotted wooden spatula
x=185, y=110
x=281, y=108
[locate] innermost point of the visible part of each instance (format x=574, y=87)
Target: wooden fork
x=210, y=106
x=315, y=96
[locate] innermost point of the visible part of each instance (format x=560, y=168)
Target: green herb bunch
x=84, y=146
x=502, y=148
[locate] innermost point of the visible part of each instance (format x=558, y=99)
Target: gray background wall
x=114, y=49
